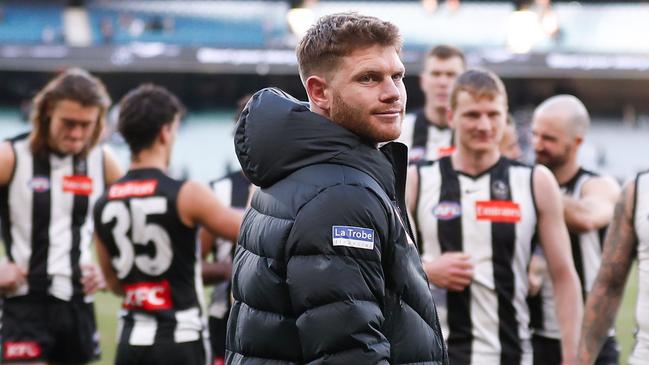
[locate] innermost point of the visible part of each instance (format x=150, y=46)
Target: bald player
x=559, y=126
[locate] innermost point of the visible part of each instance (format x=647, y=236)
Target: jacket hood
x=277, y=135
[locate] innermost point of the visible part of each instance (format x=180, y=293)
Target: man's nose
x=390, y=92
x=76, y=131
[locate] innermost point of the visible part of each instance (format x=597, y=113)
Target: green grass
x=107, y=305
x=625, y=324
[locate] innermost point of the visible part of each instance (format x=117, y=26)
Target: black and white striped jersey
x=425, y=140
x=587, y=257
x=156, y=259
x=640, y=352
x=492, y=217
x=232, y=190
x=46, y=213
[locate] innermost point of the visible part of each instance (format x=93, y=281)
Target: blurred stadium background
x=211, y=53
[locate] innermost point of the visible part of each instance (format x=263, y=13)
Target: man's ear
x=317, y=90
x=165, y=133
x=449, y=117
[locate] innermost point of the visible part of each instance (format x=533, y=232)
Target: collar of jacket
x=277, y=135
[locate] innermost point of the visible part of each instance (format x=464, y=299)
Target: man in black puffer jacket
x=326, y=270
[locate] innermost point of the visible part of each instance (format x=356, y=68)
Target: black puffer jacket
x=324, y=271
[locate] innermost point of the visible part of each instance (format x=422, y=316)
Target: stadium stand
x=31, y=24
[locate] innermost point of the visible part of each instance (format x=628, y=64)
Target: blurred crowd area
x=210, y=53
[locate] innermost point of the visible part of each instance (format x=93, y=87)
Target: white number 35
x=141, y=234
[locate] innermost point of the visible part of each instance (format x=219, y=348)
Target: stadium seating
x=31, y=24
x=250, y=24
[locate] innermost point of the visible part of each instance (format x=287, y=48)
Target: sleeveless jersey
x=587, y=257
x=155, y=257
x=425, y=140
x=640, y=352
x=46, y=214
x=492, y=217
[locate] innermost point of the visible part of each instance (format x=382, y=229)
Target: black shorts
x=547, y=351
x=44, y=328
x=186, y=353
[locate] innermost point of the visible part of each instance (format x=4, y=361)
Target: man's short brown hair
x=337, y=35
x=444, y=52
x=75, y=85
x=478, y=83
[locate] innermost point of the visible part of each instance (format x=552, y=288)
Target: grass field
x=107, y=305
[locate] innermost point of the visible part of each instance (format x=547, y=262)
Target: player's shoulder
x=8, y=158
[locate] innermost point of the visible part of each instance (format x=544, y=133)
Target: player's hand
x=92, y=278
x=12, y=276
x=537, y=269
x=452, y=271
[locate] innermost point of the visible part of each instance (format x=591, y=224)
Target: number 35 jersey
x=155, y=257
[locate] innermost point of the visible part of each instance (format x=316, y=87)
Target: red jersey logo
x=25, y=350
x=148, y=296
x=77, y=185
x=498, y=211
x=445, y=151
x=132, y=188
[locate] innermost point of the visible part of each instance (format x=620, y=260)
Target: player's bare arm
x=412, y=185
x=92, y=277
x=605, y=296
x=197, y=205
x=107, y=268
x=11, y=276
x=212, y=272
x=7, y=162
x=451, y=270
x=594, y=209
x=556, y=246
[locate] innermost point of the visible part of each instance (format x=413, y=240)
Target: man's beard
x=356, y=121
x=552, y=162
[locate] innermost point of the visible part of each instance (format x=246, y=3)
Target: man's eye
x=397, y=77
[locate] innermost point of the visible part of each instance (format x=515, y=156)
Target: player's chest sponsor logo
x=39, y=184
x=77, y=185
x=135, y=188
x=447, y=210
x=445, y=151
x=148, y=296
x=498, y=211
x=23, y=350
x=356, y=237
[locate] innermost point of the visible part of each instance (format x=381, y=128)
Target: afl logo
x=447, y=210
x=39, y=184
x=500, y=190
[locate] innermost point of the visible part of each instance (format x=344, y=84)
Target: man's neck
x=567, y=171
x=436, y=117
x=148, y=159
x=474, y=163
